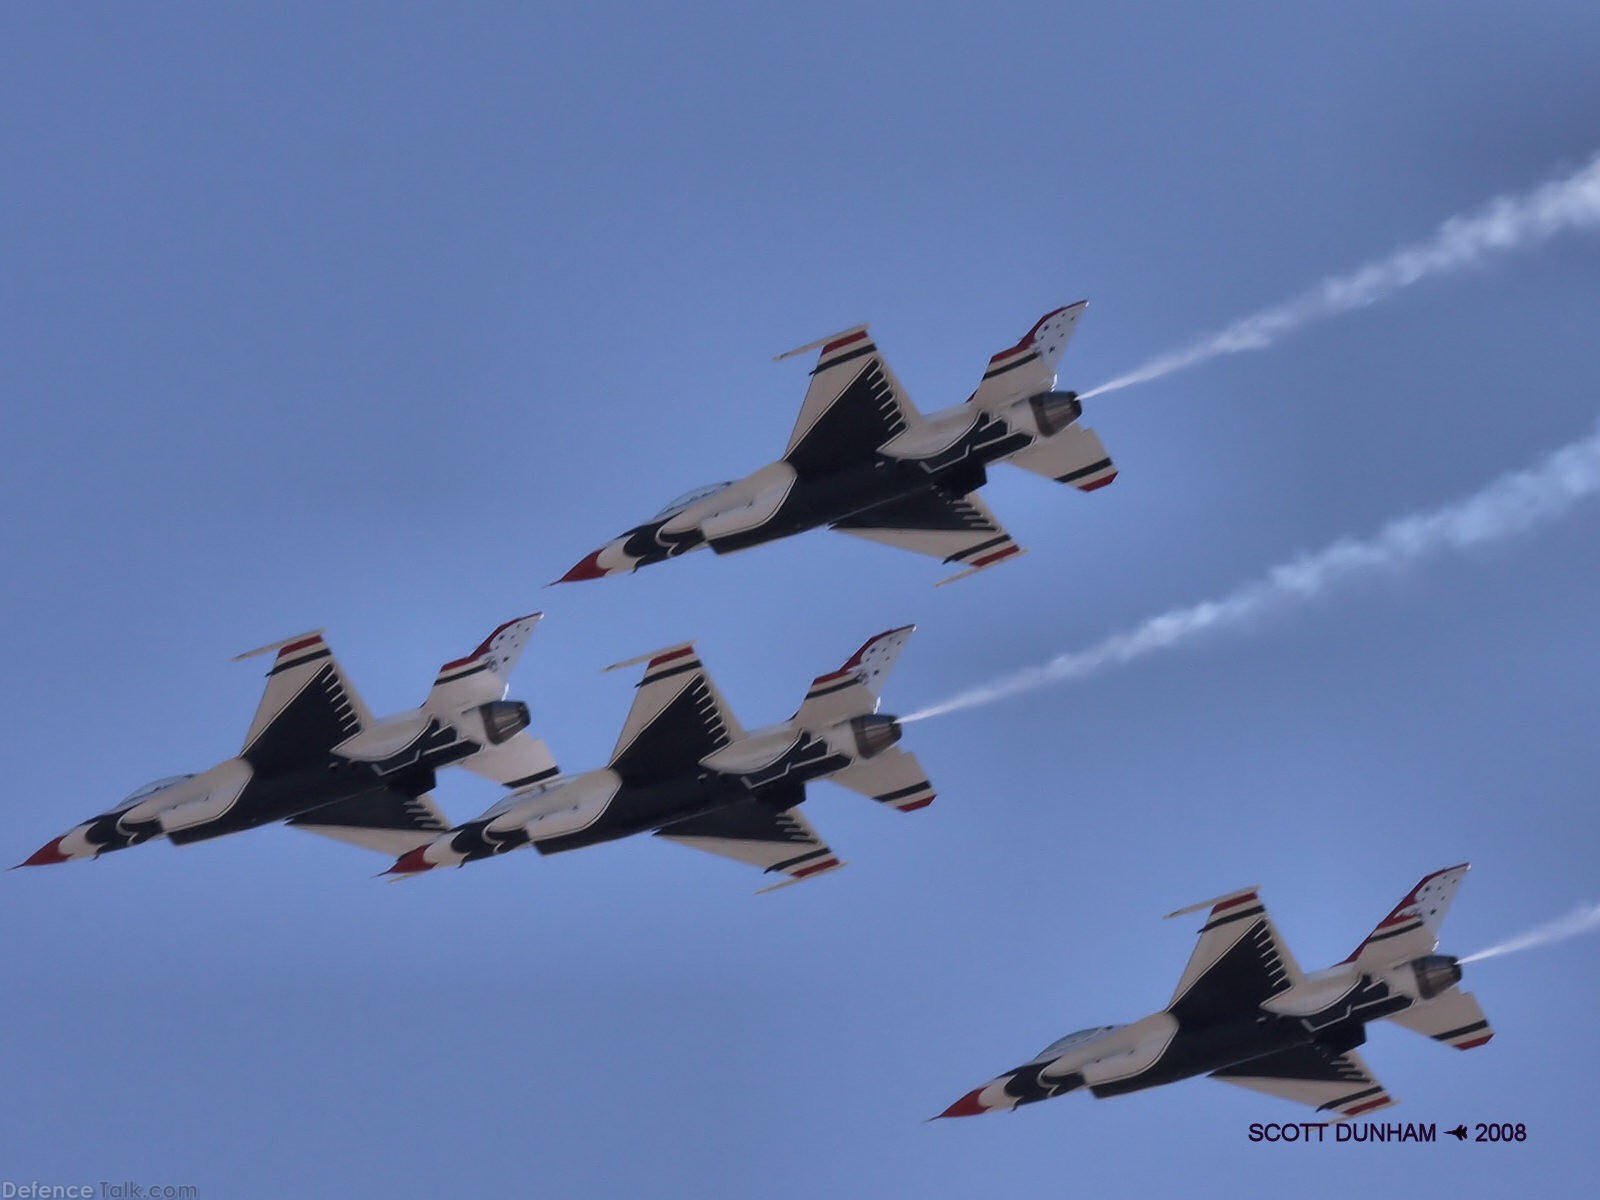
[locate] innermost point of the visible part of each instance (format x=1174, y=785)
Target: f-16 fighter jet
x=316, y=759
x=685, y=770
x=1244, y=1013
x=862, y=460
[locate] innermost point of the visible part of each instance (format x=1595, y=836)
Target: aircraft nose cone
x=587, y=568
x=47, y=854
x=968, y=1106
x=411, y=862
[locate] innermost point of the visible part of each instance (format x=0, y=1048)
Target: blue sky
x=376, y=318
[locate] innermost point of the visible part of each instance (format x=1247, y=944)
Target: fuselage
x=949, y=452
x=241, y=793
x=1330, y=1011
x=769, y=766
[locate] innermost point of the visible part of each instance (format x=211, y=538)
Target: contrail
x=1580, y=920
x=1504, y=224
x=1514, y=503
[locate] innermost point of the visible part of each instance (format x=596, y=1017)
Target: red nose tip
x=967, y=1106
x=588, y=568
x=410, y=863
x=47, y=854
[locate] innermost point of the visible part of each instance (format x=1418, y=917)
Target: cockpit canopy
x=1061, y=1045
x=150, y=789
x=694, y=497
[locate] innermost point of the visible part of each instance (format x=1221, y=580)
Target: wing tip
x=654, y=657
x=1219, y=903
x=288, y=645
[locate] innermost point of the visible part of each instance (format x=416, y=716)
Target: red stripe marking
x=1473, y=1042
x=1098, y=483
x=915, y=804
x=666, y=658
x=815, y=867
x=1005, y=552
x=302, y=644
x=1235, y=902
x=1367, y=1107
x=844, y=341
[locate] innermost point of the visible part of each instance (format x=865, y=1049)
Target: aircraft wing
x=1239, y=962
x=957, y=529
x=854, y=405
x=678, y=717
x=1310, y=1074
x=757, y=834
x=386, y=820
x=308, y=708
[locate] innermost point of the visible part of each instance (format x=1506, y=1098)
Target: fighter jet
x=1245, y=1014
x=684, y=770
x=316, y=759
x=862, y=460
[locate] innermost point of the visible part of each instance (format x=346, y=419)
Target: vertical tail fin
x=470, y=693
x=484, y=674
x=1412, y=927
x=853, y=689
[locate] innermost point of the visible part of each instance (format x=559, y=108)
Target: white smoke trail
x=1504, y=224
x=1580, y=920
x=1512, y=504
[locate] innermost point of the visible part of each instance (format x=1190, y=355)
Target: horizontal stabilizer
x=890, y=777
x=1075, y=456
x=520, y=762
x=1453, y=1018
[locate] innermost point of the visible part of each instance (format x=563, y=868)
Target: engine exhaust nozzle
x=1054, y=411
x=874, y=733
x=503, y=719
x=1436, y=973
